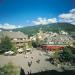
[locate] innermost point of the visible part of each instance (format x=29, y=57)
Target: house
x=40, y=35
x=18, y=38
x=63, y=32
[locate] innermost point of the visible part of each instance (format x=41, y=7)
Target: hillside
x=55, y=27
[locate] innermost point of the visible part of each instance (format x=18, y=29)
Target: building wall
x=19, y=42
x=17, y=38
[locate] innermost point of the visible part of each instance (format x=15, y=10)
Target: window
x=17, y=42
x=14, y=39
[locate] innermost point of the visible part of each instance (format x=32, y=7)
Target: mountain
x=55, y=27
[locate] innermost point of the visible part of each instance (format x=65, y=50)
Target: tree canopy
x=6, y=44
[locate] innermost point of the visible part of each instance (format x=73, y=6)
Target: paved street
x=22, y=61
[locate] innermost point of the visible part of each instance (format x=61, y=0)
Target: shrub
x=9, y=69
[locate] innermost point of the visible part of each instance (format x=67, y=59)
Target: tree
x=9, y=69
x=30, y=44
x=37, y=43
x=56, y=55
x=5, y=44
x=13, y=48
x=34, y=44
x=67, y=54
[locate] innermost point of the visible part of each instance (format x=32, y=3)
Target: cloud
x=72, y=11
x=68, y=17
x=52, y=20
x=44, y=21
x=9, y=26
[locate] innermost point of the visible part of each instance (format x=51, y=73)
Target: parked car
x=9, y=53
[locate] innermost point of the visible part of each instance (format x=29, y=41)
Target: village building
x=17, y=38
x=53, y=40
x=57, y=42
x=63, y=32
x=40, y=35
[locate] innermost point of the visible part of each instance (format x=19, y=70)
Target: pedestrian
x=28, y=73
x=29, y=63
x=31, y=57
x=22, y=71
x=38, y=61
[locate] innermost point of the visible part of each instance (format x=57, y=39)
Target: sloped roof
x=13, y=34
x=58, y=39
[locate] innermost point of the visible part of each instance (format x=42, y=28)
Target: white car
x=28, y=49
x=9, y=53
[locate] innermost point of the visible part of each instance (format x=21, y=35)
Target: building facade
x=19, y=39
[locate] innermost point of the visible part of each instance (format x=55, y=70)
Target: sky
x=19, y=13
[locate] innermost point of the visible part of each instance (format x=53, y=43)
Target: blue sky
x=23, y=12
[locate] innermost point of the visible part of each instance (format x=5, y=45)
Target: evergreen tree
x=67, y=54
x=5, y=44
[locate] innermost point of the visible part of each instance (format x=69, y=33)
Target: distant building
x=52, y=47
x=53, y=40
x=40, y=35
x=18, y=38
x=63, y=32
x=57, y=42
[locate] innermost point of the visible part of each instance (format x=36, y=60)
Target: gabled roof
x=13, y=34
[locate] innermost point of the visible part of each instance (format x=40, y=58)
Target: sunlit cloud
x=68, y=17
x=44, y=21
x=9, y=26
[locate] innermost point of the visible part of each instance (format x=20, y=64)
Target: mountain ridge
x=54, y=27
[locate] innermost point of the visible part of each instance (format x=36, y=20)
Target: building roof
x=58, y=39
x=53, y=47
x=13, y=34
